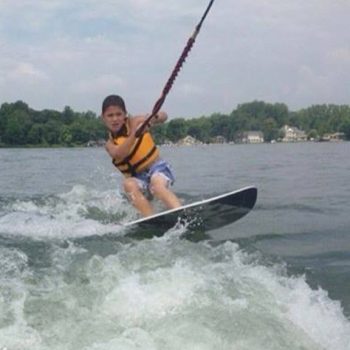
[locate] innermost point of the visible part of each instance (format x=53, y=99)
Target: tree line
x=21, y=125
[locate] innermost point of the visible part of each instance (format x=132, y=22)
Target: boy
x=137, y=158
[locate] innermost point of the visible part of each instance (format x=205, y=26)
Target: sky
x=57, y=53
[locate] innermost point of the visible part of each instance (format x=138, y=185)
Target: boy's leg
x=159, y=188
x=139, y=201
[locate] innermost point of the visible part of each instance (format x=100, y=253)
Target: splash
x=78, y=213
x=164, y=294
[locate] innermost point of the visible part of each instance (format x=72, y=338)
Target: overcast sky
x=55, y=53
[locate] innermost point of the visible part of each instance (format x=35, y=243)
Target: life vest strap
x=142, y=154
x=132, y=169
x=148, y=156
x=130, y=155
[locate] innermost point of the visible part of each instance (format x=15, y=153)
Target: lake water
x=277, y=279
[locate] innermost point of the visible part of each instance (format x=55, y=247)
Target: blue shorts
x=160, y=167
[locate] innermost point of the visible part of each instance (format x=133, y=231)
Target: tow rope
x=157, y=106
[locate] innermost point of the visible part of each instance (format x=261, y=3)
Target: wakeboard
x=204, y=215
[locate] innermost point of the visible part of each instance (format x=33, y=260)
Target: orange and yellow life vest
x=142, y=154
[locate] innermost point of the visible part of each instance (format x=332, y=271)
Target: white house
x=252, y=137
x=293, y=134
x=188, y=141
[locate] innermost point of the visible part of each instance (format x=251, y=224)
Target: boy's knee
x=157, y=185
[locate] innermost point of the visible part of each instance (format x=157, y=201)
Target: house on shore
x=218, y=139
x=251, y=137
x=96, y=143
x=188, y=141
x=292, y=134
x=337, y=136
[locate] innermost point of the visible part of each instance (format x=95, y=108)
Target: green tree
x=312, y=134
x=219, y=125
x=52, y=132
x=3, y=120
x=80, y=133
x=36, y=134
x=270, y=129
x=17, y=125
x=345, y=127
x=68, y=115
x=159, y=133
x=66, y=137
x=176, y=129
x=199, y=128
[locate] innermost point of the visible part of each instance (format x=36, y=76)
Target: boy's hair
x=113, y=100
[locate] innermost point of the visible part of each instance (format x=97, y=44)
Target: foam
x=66, y=215
x=161, y=293
x=225, y=292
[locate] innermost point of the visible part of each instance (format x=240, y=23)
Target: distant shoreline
x=173, y=145
x=251, y=122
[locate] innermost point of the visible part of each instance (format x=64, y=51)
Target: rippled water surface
x=277, y=279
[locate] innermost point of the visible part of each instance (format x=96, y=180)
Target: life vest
x=142, y=154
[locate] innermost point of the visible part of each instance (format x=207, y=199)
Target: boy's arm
x=119, y=152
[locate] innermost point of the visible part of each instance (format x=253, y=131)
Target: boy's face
x=114, y=118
